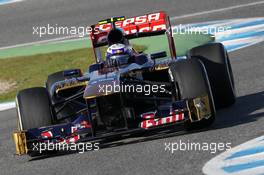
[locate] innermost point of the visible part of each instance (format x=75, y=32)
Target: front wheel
x=190, y=80
x=219, y=70
x=33, y=107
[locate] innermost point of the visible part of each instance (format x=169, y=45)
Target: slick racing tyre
x=33, y=107
x=219, y=71
x=191, y=81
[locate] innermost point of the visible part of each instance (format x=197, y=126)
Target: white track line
x=6, y=106
x=73, y=37
x=9, y=2
x=215, y=165
x=172, y=18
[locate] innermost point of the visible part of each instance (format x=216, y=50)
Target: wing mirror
x=72, y=72
x=84, y=78
x=157, y=55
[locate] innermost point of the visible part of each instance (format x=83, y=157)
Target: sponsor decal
x=71, y=137
x=149, y=119
x=66, y=84
x=46, y=134
x=141, y=24
x=145, y=23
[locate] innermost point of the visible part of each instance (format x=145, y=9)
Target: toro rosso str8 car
x=76, y=107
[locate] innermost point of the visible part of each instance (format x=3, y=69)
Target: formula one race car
x=126, y=91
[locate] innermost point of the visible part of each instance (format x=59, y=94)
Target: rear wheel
x=59, y=76
x=219, y=70
x=63, y=110
x=191, y=81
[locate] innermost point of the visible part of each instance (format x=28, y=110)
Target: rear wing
x=140, y=26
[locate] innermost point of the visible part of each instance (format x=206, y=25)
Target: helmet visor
x=120, y=59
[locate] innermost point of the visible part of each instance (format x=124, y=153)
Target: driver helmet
x=119, y=53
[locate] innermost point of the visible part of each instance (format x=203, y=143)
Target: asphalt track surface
x=237, y=124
